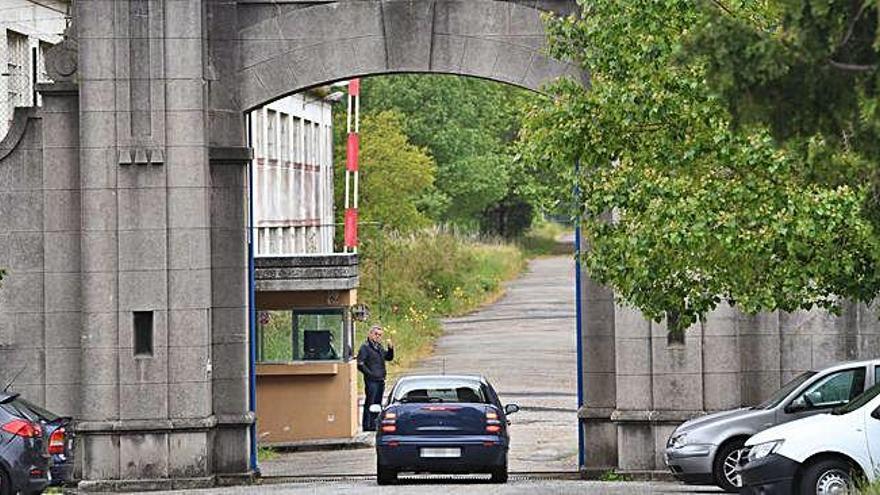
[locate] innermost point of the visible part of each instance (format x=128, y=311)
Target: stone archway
x=135, y=229
x=499, y=40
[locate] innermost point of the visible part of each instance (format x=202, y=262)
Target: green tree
x=394, y=173
x=806, y=70
x=468, y=126
x=687, y=205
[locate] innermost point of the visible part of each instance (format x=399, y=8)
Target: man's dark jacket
x=371, y=360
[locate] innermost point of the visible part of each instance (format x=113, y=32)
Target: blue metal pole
x=252, y=311
x=579, y=312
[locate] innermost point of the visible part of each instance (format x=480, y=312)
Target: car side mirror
x=876, y=413
x=796, y=405
x=511, y=408
x=375, y=408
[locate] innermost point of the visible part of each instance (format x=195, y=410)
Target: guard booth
x=305, y=289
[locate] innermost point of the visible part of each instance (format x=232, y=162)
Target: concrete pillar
x=147, y=417
x=599, y=386
x=635, y=400
x=228, y=199
x=99, y=243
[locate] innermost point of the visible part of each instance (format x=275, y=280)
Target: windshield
x=786, y=389
x=859, y=401
x=439, y=390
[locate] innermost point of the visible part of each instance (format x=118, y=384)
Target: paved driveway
x=525, y=345
x=517, y=485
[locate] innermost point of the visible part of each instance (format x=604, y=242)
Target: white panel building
x=28, y=29
x=293, y=177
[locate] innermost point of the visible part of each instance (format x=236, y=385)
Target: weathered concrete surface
x=525, y=345
x=283, y=51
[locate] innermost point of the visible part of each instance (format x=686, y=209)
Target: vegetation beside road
x=424, y=162
x=411, y=281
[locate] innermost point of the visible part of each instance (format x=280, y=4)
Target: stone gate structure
x=123, y=223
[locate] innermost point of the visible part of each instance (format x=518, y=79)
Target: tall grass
x=869, y=488
x=411, y=281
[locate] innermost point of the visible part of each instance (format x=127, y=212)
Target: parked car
x=442, y=424
x=59, y=431
x=24, y=457
x=821, y=454
x=708, y=449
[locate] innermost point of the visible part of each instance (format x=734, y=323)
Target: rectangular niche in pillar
x=143, y=333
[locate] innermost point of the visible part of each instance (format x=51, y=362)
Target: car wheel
x=499, y=474
x=828, y=476
x=385, y=476
x=5, y=483
x=727, y=460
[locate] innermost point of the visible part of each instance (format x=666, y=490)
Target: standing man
x=371, y=362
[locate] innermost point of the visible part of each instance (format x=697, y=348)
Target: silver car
x=707, y=450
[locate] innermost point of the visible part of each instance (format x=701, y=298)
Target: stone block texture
x=728, y=361
x=284, y=50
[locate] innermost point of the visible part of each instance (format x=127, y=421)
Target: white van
x=821, y=454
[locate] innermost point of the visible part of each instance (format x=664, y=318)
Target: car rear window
x=440, y=390
x=17, y=409
x=39, y=411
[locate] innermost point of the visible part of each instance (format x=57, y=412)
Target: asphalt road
x=516, y=486
x=525, y=345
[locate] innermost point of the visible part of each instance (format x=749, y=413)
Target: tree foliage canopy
x=467, y=125
x=394, y=173
x=723, y=148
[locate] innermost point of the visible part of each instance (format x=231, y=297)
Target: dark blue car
x=442, y=424
x=59, y=431
x=24, y=456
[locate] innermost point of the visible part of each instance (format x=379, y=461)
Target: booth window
x=303, y=335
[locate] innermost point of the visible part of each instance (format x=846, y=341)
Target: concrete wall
x=39, y=249
x=329, y=413
x=729, y=361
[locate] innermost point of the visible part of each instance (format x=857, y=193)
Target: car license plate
x=435, y=452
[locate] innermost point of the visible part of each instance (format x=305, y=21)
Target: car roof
x=849, y=364
x=437, y=376
x=460, y=377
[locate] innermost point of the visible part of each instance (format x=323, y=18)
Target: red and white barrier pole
x=351, y=166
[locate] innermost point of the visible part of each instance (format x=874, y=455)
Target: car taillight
x=493, y=425
x=56, y=441
x=22, y=428
x=389, y=422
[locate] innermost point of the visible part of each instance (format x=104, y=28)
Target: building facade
x=293, y=178
x=27, y=30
